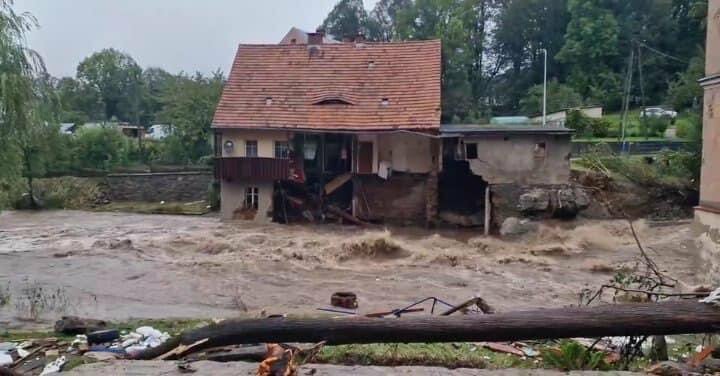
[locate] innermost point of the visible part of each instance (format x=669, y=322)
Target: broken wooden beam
x=677, y=317
x=348, y=217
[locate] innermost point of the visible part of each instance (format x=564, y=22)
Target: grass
x=615, y=119
x=450, y=355
x=177, y=208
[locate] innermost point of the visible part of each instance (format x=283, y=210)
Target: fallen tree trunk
x=678, y=317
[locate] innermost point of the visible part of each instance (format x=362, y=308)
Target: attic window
x=268, y=101
x=385, y=102
x=371, y=64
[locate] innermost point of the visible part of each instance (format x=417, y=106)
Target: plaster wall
x=518, y=159
x=232, y=201
x=265, y=139
x=407, y=152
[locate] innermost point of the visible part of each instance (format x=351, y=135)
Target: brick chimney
x=317, y=37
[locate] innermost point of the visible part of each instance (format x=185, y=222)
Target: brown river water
x=118, y=266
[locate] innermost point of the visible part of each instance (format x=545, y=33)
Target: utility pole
x=544, y=120
x=626, y=99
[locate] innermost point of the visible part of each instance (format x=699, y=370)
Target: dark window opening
x=471, y=151
x=251, y=148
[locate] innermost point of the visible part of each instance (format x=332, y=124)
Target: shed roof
x=342, y=86
x=463, y=130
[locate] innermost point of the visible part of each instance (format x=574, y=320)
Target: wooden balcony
x=251, y=168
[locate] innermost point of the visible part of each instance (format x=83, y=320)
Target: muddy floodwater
x=119, y=266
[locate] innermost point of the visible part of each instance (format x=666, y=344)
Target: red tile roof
x=296, y=87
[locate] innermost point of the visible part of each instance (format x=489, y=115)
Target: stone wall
x=400, y=199
x=156, y=187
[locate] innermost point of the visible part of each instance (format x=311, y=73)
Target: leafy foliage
x=574, y=356
x=189, y=105
x=101, y=148
x=117, y=78
x=585, y=126
x=347, y=19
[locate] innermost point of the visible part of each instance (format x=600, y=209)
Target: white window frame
x=252, y=198
x=287, y=149
x=248, y=148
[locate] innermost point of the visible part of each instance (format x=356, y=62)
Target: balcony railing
x=237, y=168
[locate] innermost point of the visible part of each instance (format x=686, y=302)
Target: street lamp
x=544, y=119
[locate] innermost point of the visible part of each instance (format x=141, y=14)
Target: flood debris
x=78, y=325
x=49, y=355
x=344, y=300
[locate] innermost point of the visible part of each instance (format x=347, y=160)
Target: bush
x=103, y=148
x=587, y=127
x=653, y=126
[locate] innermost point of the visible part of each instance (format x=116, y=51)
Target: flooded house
x=350, y=131
x=343, y=130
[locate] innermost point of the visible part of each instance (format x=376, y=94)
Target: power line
x=662, y=53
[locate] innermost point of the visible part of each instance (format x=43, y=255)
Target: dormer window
x=332, y=99
x=385, y=102
x=371, y=64
x=268, y=101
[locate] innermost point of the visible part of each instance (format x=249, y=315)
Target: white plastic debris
x=54, y=366
x=713, y=298
x=148, y=331
x=143, y=338
x=5, y=359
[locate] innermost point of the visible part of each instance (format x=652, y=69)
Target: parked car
x=658, y=112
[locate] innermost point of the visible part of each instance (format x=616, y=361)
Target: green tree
x=188, y=105
x=524, y=28
x=79, y=102
x=384, y=18
x=19, y=66
x=155, y=81
x=559, y=97
x=117, y=77
x=347, y=19
x=684, y=91
x=591, y=41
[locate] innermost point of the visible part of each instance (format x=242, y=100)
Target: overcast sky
x=177, y=35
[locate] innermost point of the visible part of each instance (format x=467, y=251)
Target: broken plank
x=336, y=183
